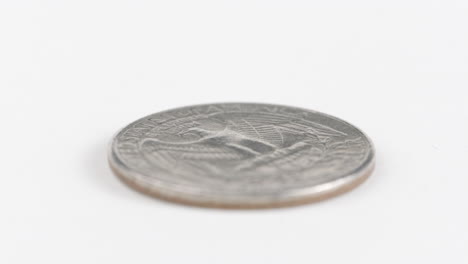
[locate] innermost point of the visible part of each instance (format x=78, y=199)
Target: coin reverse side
x=238, y=155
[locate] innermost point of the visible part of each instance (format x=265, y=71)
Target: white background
x=73, y=72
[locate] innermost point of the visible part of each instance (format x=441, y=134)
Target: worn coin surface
x=238, y=155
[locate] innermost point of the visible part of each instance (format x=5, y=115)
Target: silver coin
x=238, y=155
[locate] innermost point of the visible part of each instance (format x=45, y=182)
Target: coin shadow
x=100, y=173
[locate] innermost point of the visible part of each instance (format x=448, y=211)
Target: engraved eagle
x=235, y=141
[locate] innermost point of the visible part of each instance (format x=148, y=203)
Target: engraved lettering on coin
x=241, y=155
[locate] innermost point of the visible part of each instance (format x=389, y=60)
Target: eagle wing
x=274, y=128
x=189, y=157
